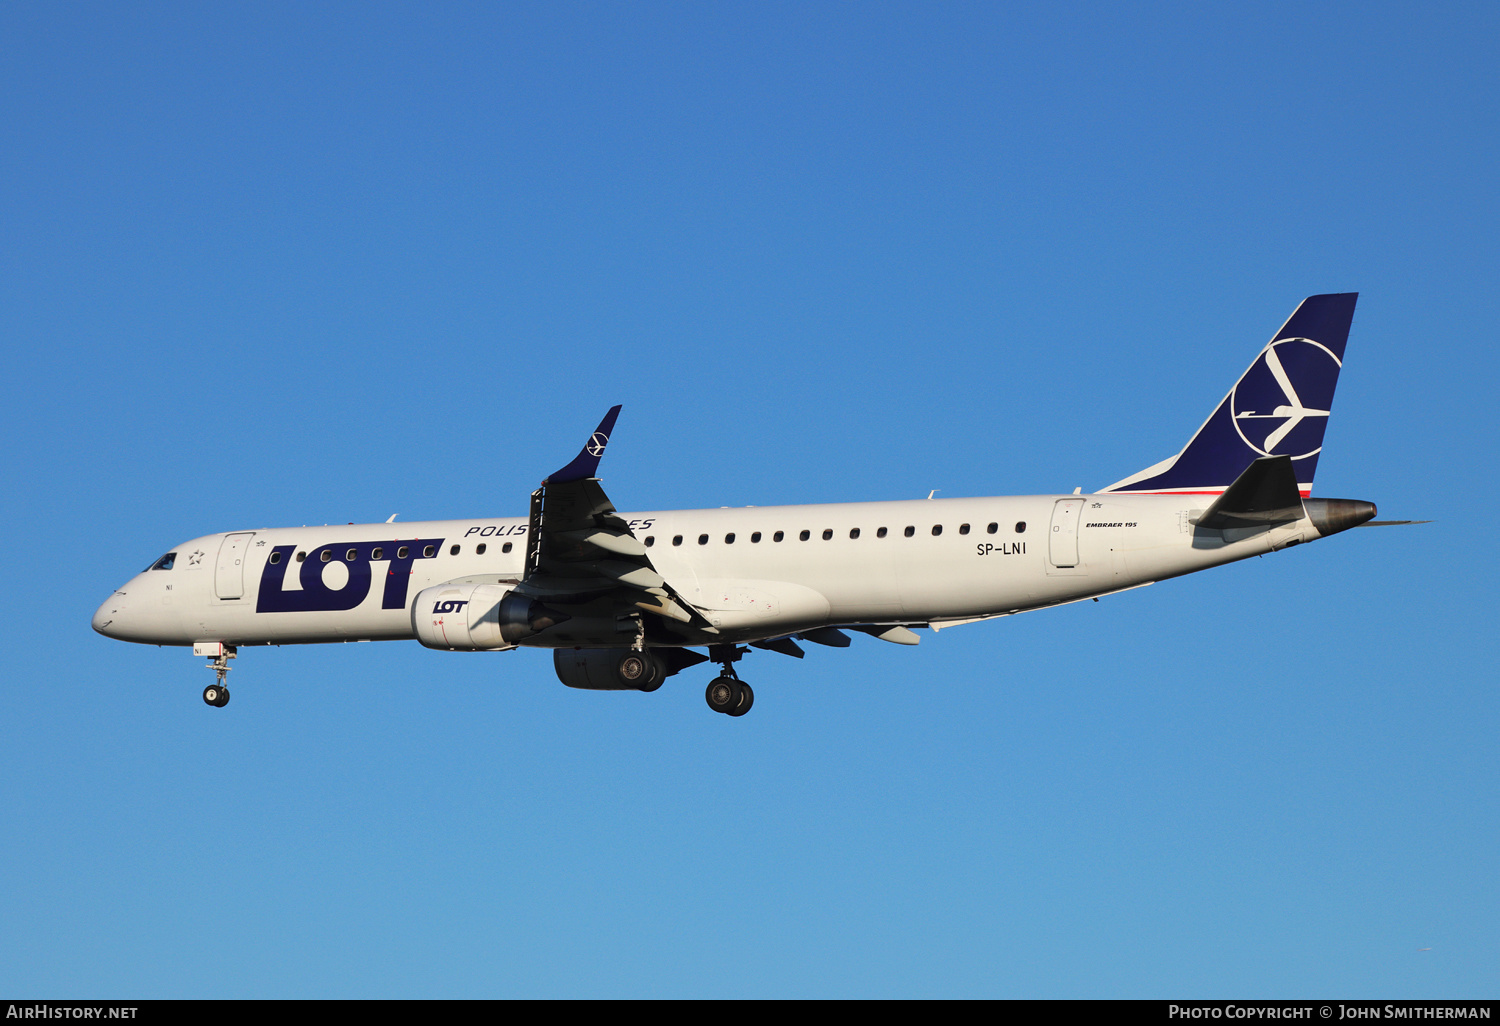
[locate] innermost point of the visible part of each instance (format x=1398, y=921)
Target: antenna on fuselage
x=392, y=518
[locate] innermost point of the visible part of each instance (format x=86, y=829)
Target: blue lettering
x=316, y=596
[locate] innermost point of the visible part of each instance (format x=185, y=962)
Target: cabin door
x=1062, y=536
x=229, y=578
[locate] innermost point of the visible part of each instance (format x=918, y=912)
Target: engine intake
x=461, y=617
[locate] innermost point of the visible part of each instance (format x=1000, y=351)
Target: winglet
x=586, y=462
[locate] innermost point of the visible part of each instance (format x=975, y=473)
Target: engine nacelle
x=464, y=617
x=493, y=617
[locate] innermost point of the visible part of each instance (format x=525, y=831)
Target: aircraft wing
x=582, y=555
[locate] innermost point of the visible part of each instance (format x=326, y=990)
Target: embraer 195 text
x=623, y=599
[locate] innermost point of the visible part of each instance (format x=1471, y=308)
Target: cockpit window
x=165, y=562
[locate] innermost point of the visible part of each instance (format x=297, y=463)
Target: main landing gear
x=729, y=695
x=726, y=693
x=641, y=670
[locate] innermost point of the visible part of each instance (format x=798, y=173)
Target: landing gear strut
x=216, y=694
x=727, y=693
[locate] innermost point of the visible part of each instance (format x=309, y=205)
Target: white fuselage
x=915, y=562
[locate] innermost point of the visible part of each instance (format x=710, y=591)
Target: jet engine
x=463, y=618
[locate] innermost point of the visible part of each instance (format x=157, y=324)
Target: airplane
x=624, y=600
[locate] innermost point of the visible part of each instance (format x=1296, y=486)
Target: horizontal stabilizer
x=1266, y=493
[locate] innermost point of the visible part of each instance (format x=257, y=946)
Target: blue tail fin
x=1279, y=407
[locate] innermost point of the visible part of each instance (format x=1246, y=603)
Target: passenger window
x=805, y=535
x=401, y=553
x=326, y=555
x=351, y=555
x=1021, y=524
x=729, y=538
x=429, y=551
x=755, y=537
x=963, y=528
x=506, y=547
x=993, y=528
x=854, y=532
x=165, y=562
x=301, y=556
x=937, y=529
x=778, y=536
x=880, y=532
x=377, y=553
x=275, y=558
x=479, y=549
x=650, y=540
x=677, y=539
x=827, y=534
x=910, y=531
x=703, y=539
x=453, y=551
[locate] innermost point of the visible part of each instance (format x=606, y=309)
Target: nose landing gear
x=216, y=694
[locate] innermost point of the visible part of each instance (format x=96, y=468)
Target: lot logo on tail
x=1280, y=406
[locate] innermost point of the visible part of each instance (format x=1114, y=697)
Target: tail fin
x=1279, y=407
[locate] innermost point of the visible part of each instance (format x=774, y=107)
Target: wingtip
x=586, y=463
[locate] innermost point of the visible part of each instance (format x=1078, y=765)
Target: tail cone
x=1330, y=516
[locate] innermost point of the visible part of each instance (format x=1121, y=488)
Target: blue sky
x=269, y=264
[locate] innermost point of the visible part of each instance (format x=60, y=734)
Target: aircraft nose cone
x=109, y=616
